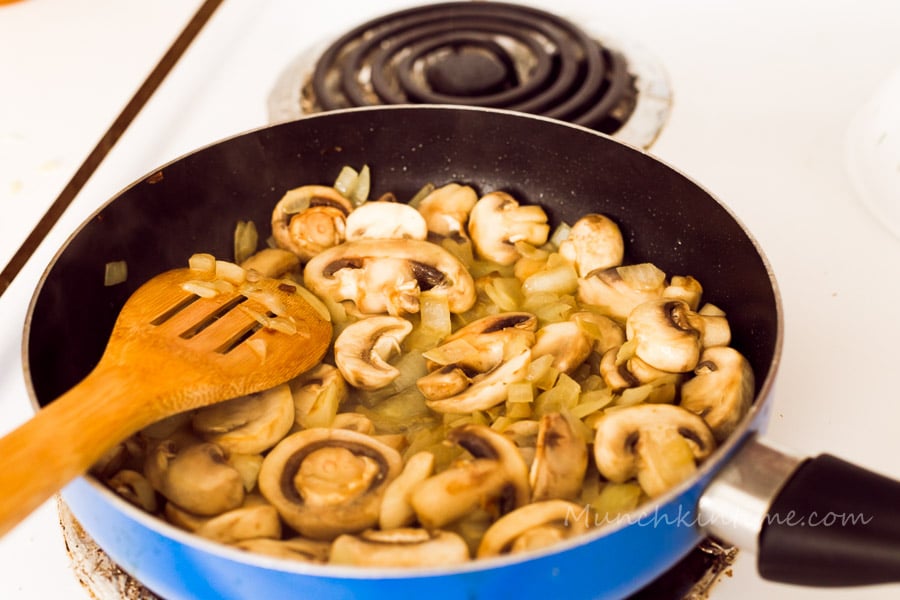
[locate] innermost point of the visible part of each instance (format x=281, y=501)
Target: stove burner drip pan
x=482, y=54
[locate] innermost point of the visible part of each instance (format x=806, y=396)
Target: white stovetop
x=764, y=95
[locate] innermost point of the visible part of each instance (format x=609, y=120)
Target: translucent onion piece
x=205, y=263
x=643, y=276
x=246, y=239
x=116, y=272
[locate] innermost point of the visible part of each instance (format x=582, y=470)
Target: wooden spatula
x=170, y=351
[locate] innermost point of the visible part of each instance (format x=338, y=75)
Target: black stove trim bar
x=106, y=143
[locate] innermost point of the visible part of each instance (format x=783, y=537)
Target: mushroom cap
x=249, y=424
x=497, y=222
x=555, y=519
x=362, y=350
x=405, y=547
x=325, y=482
x=566, y=342
x=617, y=296
x=196, y=477
x=667, y=333
x=339, y=273
x=446, y=209
x=659, y=444
x=309, y=219
x=594, y=242
x=721, y=390
x=383, y=220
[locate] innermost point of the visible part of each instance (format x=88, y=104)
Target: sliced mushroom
x=667, y=334
x=382, y=220
x=594, y=243
x=684, y=288
x=255, y=519
x=659, y=444
x=485, y=390
x=318, y=394
x=721, y=390
x=620, y=373
x=566, y=342
x=363, y=348
x=616, y=295
x=396, y=510
x=310, y=219
x=272, y=262
x=250, y=424
x=532, y=527
x=497, y=222
x=298, y=548
x=496, y=479
x=387, y=275
x=405, y=547
x=325, y=482
x=560, y=460
x=197, y=478
x=446, y=209
x=485, y=342
x=135, y=488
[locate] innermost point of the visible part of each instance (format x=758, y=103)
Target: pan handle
x=811, y=521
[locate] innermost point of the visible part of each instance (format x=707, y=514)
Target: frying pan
x=192, y=204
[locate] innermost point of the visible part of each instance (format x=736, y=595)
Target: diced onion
x=561, y=279
x=519, y=391
x=294, y=201
x=423, y=193
x=205, y=263
x=246, y=239
x=204, y=289
x=592, y=401
x=560, y=234
x=643, y=276
x=452, y=352
x=230, y=272
x=116, y=272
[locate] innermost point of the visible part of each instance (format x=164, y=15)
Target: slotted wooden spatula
x=170, y=350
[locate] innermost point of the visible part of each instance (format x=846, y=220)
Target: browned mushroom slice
x=396, y=509
x=363, y=348
x=603, y=332
x=667, y=334
x=721, y=390
x=135, y=488
x=618, y=290
x=197, y=477
x=298, y=548
x=404, y=547
x=255, y=519
x=310, y=219
x=593, y=243
x=560, y=461
x=325, y=482
x=496, y=478
x=532, y=527
x=250, y=424
x=566, y=342
x=446, y=209
x=659, y=444
x=382, y=276
x=497, y=222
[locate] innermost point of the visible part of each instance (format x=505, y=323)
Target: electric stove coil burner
x=482, y=54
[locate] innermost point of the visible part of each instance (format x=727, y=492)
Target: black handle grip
x=832, y=524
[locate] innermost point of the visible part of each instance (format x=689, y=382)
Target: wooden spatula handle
x=64, y=439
